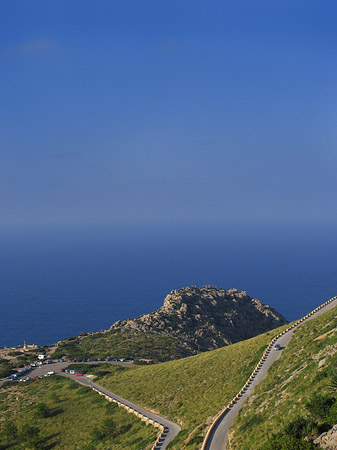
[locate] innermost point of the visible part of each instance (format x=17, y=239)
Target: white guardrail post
x=137, y=414
x=223, y=412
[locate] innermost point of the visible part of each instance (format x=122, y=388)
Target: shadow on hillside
x=55, y=412
x=51, y=445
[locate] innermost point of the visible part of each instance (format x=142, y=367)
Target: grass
x=6, y=368
x=304, y=369
x=188, y=391
x=117, y=344
x=68, y=416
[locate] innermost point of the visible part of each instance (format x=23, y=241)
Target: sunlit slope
x=72, y=417
x=303, y=370
x=192, y=390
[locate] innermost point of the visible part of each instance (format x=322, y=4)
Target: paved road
x=42, y=370
x=170, y=429
x=218, y=438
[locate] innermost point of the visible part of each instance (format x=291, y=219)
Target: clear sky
x=167, y=111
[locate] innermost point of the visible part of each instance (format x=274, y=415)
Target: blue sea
x=58, y=283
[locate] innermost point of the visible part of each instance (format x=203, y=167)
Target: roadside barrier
x=228, y=407
x=142, y=417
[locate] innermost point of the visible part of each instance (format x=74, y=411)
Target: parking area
x=40, y=369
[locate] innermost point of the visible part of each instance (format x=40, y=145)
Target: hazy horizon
x=167, y=113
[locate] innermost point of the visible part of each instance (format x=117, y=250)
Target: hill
x=56, y=412
x=189, y=391
x=295, y=400
x=191, y=320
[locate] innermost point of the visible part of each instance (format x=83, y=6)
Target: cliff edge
x=206, y=318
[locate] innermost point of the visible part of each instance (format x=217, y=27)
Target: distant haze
x=170, y=112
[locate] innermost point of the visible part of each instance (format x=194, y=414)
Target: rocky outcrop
x=206, y=318
x=328, y=440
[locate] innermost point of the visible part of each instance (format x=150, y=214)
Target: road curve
x=169, y=430
x=217, y=435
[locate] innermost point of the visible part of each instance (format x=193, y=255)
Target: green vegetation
x=188, y=391
x=6, y=368
x=11, y=360
x=299, y=433
x=56, y=412
x=296, y=399
x=117, y=344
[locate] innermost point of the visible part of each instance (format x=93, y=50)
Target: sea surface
x=58, y=283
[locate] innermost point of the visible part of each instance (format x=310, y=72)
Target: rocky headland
x=205, y=318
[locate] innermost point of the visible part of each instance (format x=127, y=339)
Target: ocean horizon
x=58, y=283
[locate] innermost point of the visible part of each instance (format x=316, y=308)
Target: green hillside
x=56, y=412
x=191, y=391
x=292, y=399
x=188, y=391
x=117, y=344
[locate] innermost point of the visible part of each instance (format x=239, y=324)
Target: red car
x=78, y=374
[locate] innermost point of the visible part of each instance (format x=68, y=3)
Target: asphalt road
x=218, y=438
x=170, y=429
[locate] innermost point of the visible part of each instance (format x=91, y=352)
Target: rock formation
x=328, y=440
x=206, y=318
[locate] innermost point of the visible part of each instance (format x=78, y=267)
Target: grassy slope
x=75, y=410
x=191, y=390
x=121, y=345
x=301, y=371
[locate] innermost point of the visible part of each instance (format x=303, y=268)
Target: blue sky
x=175, y=112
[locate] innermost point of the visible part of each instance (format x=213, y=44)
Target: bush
x=9, y=430
x=109, y=429
x=299, y=427
x=42, y=410
x=35, y=443
x=9, y=384
x=331, y=416
x=106, y=431
x=318, y=406
x=28, y=431
x=96, y=434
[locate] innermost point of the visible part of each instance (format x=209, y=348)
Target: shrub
x=35, y=443
x=42, y=410
x=28, y=431
x=299, y=427
x=109, y=428
x=96, y=434
x=331, y=415
x=333, y=383
x=9, y=430
x=318, y=405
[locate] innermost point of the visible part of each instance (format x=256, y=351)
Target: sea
x=58, y=282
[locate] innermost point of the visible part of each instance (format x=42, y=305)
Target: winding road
x=169, y=429
x=217, y=436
